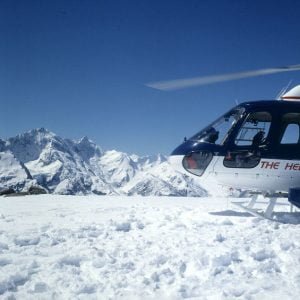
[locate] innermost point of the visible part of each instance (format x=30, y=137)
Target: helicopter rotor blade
x=197, y=81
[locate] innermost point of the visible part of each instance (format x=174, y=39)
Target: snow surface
x=105, y=247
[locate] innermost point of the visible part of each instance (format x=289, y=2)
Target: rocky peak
x=2, y=145
x=87, y=149
x=29, y=145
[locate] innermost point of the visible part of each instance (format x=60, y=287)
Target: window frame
x=266, y=137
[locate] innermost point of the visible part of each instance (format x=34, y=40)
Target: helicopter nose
x=192, y=158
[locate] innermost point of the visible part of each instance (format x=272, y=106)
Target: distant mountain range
x=64, y=166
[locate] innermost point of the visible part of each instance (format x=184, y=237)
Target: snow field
x=72, y=247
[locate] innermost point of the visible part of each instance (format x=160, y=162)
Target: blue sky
x=79, y=67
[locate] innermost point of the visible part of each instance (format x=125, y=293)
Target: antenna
x=283, y=90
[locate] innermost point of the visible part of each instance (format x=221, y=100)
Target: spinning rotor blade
x=196, y=81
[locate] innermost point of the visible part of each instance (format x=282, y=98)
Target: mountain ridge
x=65, y=166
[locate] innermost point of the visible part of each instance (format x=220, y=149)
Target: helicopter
x=253, y=147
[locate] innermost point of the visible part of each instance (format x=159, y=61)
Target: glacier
x=64, y=166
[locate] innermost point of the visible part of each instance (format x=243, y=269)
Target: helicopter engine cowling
x=292, y=95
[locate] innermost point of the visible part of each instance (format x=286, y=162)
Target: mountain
x=118, y=168
x=12, y=172
x=162, y=180
x=64, y=166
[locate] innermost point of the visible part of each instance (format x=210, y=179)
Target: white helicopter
x=254, y=147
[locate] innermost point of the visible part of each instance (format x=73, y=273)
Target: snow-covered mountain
x=162, y=180
x=64, y=166
x=12, y=172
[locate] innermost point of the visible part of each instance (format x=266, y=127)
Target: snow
x=105, y=247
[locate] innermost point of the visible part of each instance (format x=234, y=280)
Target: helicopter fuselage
x=255, y=146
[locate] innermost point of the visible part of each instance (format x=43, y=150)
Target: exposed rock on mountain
x=13, y=174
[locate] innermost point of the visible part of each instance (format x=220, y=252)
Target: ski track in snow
x=76, y=247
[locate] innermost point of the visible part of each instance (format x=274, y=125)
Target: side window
x=254, y=130
x=290, y=134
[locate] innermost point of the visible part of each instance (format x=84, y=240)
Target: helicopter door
x=245, y=151
x=288, y=151
x=250, y=143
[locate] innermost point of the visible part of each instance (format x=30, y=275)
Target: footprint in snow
x=39, y=287
x=220, y=238
x=263, y=255
x=26, y=241
x=4, y=262
x=3, y=246
x=70, y=261
x=125, y=227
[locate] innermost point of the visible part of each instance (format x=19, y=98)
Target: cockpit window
x=217, y=132
x=254, y=130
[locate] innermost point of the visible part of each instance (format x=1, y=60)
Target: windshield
x=217, y=132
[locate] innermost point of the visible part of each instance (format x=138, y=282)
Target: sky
x=79, y=68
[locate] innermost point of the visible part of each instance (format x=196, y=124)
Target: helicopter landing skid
x=260, y=213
